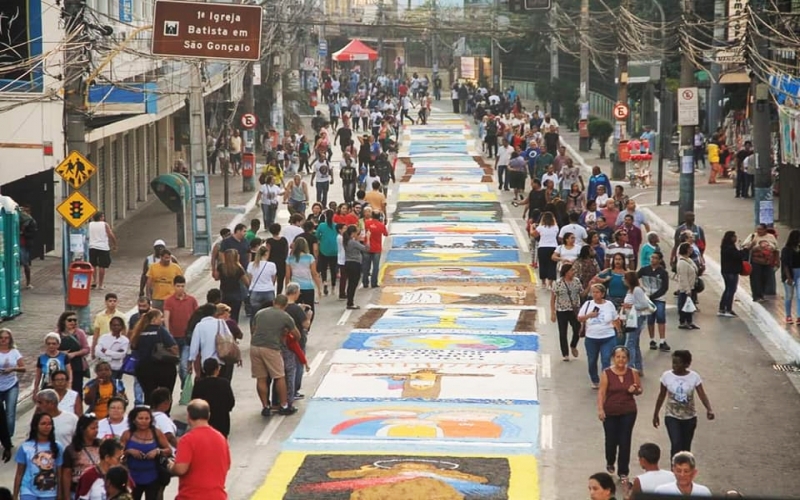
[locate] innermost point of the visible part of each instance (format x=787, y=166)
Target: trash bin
x=79, y=283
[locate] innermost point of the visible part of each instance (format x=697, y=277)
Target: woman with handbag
x=731, y=266
x=687, y=277
x=157, y=353
x=601, y=321
x=764, y=257
x=146, y=448
x=75, y=345
x=564, y=301
x=233, y=281
x=263, y=275
x=637, y=308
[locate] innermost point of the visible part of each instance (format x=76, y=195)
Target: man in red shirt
x=376, y=230
x=402, y=90
x=203, y=458
x=178, y=308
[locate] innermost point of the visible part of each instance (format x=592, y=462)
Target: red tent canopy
x=356, y=50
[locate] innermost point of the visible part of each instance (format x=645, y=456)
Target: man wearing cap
x=158, y=245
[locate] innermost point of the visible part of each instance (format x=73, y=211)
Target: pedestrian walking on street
x=637, y=308
x=326, y=234
x=157, y=353
x=601, y=322
x=270, y=196
x=296, y=195
x=790, y=274
x=204, y=337
x=655, y=281
x=178, y=309
x=144, y=446
x=51, y=360
x=685, y=469
x=204, y=457
x=354, y=256
x=687, y=278
x=601, y=486
x=678, y=387
x=764, y=258
x=616, y=408
x=233, y=281
x=217, y=392
x=11, y=363
x=654, y=476
x=731, y=264
x=101, y=242
x=301, y=267
x=28, y=228
x=39, y=460
x=564, y=302
x=75, y=345
x=547, y=232
x=68, y=400
x=262, y=274
x=161, y=279
x=81, y=455
x=278, y=253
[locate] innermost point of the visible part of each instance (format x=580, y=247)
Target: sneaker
x=325, y=290
x=720, y=313
x=289, y=410
x=694, y=327
x=684, y=327
x=734, y=315
x=353, y=307
x=664, y=347
x=265, y=412
x=653, y=345
x=299, y=395
x=789, y=320
x=595, y=386
x=729, y=314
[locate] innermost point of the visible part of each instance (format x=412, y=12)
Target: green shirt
x=249, y=235
x=270, y=325
x=542, y=162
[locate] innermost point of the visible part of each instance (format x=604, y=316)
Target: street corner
x=372, y=476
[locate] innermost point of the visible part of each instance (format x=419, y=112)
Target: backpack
x=28, y=229
x=227, y=349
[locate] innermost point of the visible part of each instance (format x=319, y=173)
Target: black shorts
x=100, y=258
x=236, y=157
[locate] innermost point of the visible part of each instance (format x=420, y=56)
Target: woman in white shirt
x=601, y=321
x=263, y=275
x=568, y=252
x=547, y=232
x=115, y=424
x=270, y=194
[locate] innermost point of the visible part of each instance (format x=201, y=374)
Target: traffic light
x=76, y=210
x=524, y=5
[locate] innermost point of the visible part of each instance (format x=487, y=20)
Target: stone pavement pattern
x=434, y=393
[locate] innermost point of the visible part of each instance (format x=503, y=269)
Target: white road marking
x=316, y=362
x=546, y=432
x=545, y=362
x=541, y=318
x=269, y=431
x=345, y=316
x=524, y=243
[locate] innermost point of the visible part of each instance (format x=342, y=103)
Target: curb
x=769, y=326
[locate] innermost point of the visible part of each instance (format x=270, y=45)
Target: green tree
x=601, y=130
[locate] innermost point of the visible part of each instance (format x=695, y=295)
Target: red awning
x=356, y=50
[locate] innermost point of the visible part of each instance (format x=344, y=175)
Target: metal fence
x=599, y=105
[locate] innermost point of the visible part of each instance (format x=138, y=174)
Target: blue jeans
x=322, y=192
x=183, y=368
x=299, y=369
x=138, y=392
x=790, y=291
x=261, y=300
x=269, y=212
x=726, y=300
x=632, y=343
x=660, y=316
x=8, y=399
x=369, y=268
x=602, y=348
x=289, y=369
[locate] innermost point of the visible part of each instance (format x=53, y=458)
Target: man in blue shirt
x=598, y=178
x=530, y=155
x=649, y=136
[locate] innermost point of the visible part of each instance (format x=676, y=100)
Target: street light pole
x=662, y=113
x=686, y=190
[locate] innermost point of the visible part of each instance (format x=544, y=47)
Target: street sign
x=76, y=169
x=249, y=120
x=76, y=209
x=688, y=108
x=207, y=30
x=621, y=111
x=323, y=48
x=308, y=64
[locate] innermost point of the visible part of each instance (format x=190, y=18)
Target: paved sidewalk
x=42, y=304
x=717, y=210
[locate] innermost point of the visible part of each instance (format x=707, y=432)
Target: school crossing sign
x=76, y=169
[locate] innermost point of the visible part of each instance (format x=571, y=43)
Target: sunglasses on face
x=72, y=320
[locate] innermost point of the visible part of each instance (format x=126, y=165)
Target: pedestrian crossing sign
x=76, y=169
x=76, y=209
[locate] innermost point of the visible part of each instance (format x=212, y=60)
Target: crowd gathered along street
x=426, y=335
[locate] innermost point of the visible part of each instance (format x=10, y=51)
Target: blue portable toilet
x=9, y=213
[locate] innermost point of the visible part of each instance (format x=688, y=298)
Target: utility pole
x=618, y=168
x=583, y=141
x=686, y=183
x=76, y=65
x=277, y=94
x=201, y=202
x=763, y=208
x=554, y=106
x=380, y=66
x=665, y=105
x=715, y=92
x=434, y=28
x=495, y=54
